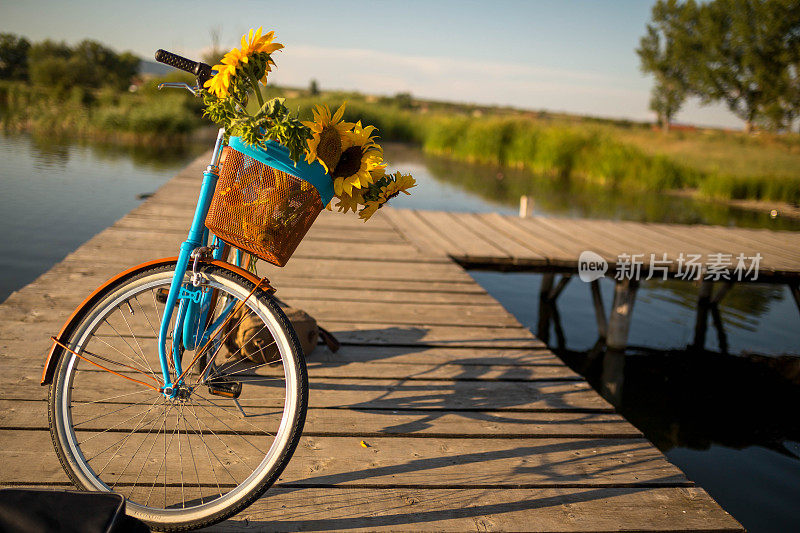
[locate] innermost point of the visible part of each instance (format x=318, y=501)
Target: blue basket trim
x=277, y=157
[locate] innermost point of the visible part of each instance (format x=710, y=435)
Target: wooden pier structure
x=470, y=422
x=554, y=246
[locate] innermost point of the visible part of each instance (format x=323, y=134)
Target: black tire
x=101, y=424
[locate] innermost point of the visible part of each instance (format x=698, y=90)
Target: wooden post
x=561, y=340
x=795, y=288
x=613, y=376
x=721, y=337
x=701, y=322
x=543, y=326
x=621, y=312
x=599, y=311
x=525, y=206
x=716, y=317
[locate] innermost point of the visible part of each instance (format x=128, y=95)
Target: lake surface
x=724, y=420
x=56, y=196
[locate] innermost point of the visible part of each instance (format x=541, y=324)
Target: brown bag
x=246, y=341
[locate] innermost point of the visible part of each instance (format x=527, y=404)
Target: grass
x=613, y=154
x=140, y=117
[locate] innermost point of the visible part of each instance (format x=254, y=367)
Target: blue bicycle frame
x=194, y=302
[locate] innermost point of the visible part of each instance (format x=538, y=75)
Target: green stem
x=254, y=83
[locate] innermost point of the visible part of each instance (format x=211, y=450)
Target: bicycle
x=149, y=396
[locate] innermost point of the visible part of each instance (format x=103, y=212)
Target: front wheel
x=220, y=443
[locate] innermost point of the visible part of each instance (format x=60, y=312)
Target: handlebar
x=201, y=70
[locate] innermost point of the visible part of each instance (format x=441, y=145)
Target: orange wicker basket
x=260, y=208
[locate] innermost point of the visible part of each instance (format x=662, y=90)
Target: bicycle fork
x=191, y=300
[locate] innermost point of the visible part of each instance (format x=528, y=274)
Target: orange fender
x=55, y=352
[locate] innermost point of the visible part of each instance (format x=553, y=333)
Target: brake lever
x=182, y=85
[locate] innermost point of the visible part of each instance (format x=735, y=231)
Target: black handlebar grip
x=174, y=60
x=201, y=70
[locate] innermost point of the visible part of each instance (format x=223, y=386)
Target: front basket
x=261, y=209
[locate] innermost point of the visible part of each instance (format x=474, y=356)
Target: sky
x=575, y=56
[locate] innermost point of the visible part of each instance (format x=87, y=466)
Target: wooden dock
x=715, y=257
x=553, y=244
x=471, y=422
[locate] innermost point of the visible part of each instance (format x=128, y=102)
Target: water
x=56, y=196
x=722, y=419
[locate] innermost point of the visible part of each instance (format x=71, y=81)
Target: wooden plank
x=319, y=461
x=393, y=394
x=777, y=256
x=295, y=294
x=545, y=510
x=140, y=240
x=447, y=227
x=33, y=328
x=556, y=253
x=460, y=509
x=511, y=248
x=407, y=422
x=86, y=260
x=569, y=233
x=325, y=311
x=420, y=234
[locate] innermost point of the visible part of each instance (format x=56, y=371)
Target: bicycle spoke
x=208, y=453
x=118, y=423
x=119, y=335
x=191, y=452
x=222, y=463
x=152, y=446
x=142, y=371
x=114, y=397
x=259, y=450
x=133, y=455
x=144, y=357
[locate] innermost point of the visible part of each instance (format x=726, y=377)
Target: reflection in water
x=728, y=422
x=575, y=198
x=51, y=156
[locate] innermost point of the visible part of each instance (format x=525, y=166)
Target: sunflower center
x=349, y=163
x=330, y=147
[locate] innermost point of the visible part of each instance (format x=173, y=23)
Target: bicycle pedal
x=227, y=390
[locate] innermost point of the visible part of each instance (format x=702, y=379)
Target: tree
x=313, y=88
x=666, y=99
x=749, y=54
x=663, y=52
x=89, y=65
x=13, y=57
x=48, y=64
x=745, y=53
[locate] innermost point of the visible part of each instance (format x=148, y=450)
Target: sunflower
x=328, y=133
x=355, y=169
x=400, y=183
x=361, y=160
x=362, y=136
x=253, y=43
x=350, y=203
x=368, y=210
x=221, y=81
